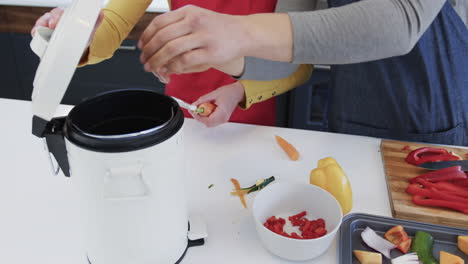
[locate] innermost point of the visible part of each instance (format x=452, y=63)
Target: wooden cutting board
x=397, y=173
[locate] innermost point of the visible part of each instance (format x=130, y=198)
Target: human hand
x=51, y=19
x=228, y=68
x=226, y=99
x=192, y=39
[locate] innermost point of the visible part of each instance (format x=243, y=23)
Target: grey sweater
x=363, y=31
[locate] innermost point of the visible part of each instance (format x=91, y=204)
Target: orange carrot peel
x=288, y=148
x=239, y=192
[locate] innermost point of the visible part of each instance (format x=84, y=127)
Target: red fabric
x=202, y=83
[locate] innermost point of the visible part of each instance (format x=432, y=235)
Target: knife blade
x=184, y=104
x=445, y=164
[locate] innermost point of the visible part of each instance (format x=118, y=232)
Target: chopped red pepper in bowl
x=293, y=233
x=309, y=229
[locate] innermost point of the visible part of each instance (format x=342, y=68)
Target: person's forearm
x=120, y=16
x=267, y=36
x=364, y=31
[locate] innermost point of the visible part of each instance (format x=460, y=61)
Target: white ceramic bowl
x=286, y=199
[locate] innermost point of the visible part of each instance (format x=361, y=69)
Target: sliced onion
x=377, y=242
x=411, y=258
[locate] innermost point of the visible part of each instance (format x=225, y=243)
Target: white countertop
x=38, y=223
x=156, y=5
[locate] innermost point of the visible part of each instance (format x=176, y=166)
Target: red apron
x=202, y=83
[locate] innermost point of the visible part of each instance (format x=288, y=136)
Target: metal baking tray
x=445, y=238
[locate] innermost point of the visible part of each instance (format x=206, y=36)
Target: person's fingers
x=189, y=62
x=209, y=97
x=55, y=16
x=170, y=51
x=218, y=117
x=157, y=24
x=162, y=37
x=43, y=21
x=161, y=76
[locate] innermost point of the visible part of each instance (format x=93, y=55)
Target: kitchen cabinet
x=309, y=102
x=8, y=77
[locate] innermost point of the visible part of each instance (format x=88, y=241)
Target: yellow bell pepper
x=331, y=177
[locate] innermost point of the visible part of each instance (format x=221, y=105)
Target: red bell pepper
x=396, y=235
x=447, y=186
x=443, y=186
x=461, y=182
x=433, y=192
x=404, y=245
x=423, y=155
x=415, y=189
x=448, y=196
x=446, y=174
x=420, y=200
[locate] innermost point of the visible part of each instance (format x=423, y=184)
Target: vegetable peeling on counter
x=330, y=176
x=260, y=184
x=292, y=152
x=241, y=192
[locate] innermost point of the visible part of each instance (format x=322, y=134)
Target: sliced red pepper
x=423, y=155
x=299, y=215
x=415, y=189
x=306, y=226
x=420, y=200
x=444, y=186
x=396, y=235
x=404, y=245
x=296, y=236
x=320, y=222
x=446, y=174
x=320, y=231
x=461, y=182
x=434, y=193
x=451, y=187
x=448, y=196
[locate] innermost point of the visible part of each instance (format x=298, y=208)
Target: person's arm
x=363, y=31
x=259, y=91
x=245, y=93
x=120, y=16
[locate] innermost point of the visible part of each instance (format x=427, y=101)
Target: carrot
x=240, y=193
x=243, y=192
x=205, y=109
x=288, y=148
